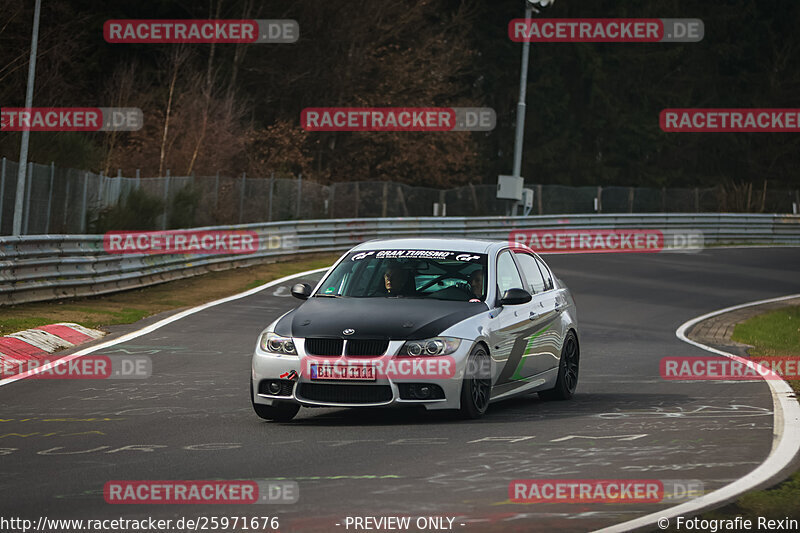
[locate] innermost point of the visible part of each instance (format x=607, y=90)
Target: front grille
x=324, y=346
x=345, y=393
x=366, y=347
x=286, y=386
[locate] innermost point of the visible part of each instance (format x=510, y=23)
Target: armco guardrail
x=47, y=267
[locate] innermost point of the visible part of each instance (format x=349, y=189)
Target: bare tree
x=120, y=91
x=177, y=58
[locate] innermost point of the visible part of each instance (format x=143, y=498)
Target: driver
x=476, y=283
x=397, y=281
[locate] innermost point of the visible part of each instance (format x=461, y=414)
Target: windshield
x=433, y=274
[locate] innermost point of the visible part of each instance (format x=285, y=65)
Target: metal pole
x=50, y=197
x=523, y=84
x=23, y=149
x=299, y=194
x=2, y=191
x=28, y=198
x=138, y=178
x=241, y=196
x=83, y=204
x=271, y=187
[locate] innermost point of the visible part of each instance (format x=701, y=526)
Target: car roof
x=455, y=245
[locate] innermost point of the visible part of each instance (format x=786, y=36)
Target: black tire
x=568, y=368
x=277, y=412
x=476, y=390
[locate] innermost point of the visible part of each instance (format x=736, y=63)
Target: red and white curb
x=38, y=343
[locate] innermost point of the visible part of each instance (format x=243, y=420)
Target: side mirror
x=301, y=291
x=515, y=297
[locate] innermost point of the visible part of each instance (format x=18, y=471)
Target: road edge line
x=785, y=443
x=157, y=325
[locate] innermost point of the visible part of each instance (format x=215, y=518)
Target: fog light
x=274, y=387
x=420, y=392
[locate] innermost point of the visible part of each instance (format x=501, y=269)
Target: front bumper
x=383, y=392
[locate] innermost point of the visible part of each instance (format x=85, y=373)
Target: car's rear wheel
x=278, y=411
x=568, y=367
x=476, y=386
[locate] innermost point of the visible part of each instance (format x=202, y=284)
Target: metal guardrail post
x=216, y=191
x=631, y=196
x=50, y=197
x=2, y=191
x=66, y=206
x=299, y=194
x=241, y=196
x=28, y=199
x=83, y=203
x=166, y=201
x=271, y=188
x=331, y=199
x=101, y=191
x=599, y=199
x=539, y=199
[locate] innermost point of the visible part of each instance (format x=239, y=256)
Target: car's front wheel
x=476, y=387
x=567, y=380
x=278, y=411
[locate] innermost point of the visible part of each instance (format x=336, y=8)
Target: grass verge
x=130, y=306
x=773, y=333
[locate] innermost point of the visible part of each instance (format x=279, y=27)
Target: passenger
x=397, y=281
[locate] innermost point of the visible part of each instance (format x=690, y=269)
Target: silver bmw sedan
x=438, y=323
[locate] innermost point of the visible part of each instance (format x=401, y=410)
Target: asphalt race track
x=62, y=440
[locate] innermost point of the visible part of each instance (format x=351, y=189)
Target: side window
x=507, y=273
x=534, y=278
x=548, y=278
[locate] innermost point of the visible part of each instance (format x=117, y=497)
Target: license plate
x=343, y=372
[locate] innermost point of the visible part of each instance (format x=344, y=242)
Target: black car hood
x=375, y=318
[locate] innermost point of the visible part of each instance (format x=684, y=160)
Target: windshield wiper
x=322, y=295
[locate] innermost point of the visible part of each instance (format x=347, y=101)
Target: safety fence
x=47, y=267
x=69, y=201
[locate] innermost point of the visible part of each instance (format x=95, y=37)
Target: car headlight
x=434, y=346
x=270, y=342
